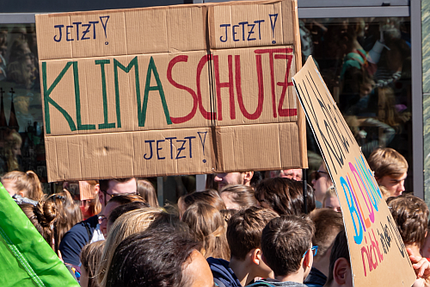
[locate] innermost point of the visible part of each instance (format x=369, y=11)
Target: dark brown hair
x=207, y=226
x=242, y=195
x=156, y=257
x=411, y=216
x=285, y=196
x=339, y=250
x=328, y=223
x=284, y=241
x=54, y=216
x=245, y=228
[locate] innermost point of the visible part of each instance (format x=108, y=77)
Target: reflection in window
x=21, y=126
x=366, y=64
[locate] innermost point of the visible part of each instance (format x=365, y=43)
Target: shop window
x=366, y=64
x=21, y=124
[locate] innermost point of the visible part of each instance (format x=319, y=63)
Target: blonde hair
x=387, y=161
x=207, y=226
x=146, y=190
x=27, y=182
x=90, y=258
x=132, y=222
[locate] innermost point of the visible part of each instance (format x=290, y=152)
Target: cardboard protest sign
x=378, y=256
x=173, y=90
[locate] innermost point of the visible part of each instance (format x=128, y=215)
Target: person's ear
x=340, y=271
x=307, y=260
x=256, y=256
x=247, y=176
x=96, y=189
x=21, y=193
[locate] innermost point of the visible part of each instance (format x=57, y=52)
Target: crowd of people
x=247, y=233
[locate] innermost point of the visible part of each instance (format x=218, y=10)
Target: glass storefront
x=366, y=64
x=21, y=123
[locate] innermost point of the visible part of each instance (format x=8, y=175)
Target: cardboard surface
x=378, y=256
x=117, y=83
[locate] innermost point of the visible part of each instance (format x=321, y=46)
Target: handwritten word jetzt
x=243, y=31
x=80, y=31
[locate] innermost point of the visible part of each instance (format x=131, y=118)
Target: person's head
x=330, y=200
x=53, y=216
x=328, y=223
x=390, y=169
x=109, y=187
x=238, y=196
x=42, y=217
x=295, y=173
x=89, y=195
x=12, y=149
x=159, y=258
x=113, y=203
x=26, y=184
x=286, y=242
x=232, y=178
x=244, y=237
x=321, y=181
x=207, y=226
x=340, y=272
x=209, y=196
x=285, y=196
x=411, y=216
x=120, y=210
x=68, y=214
x=147, y=191
x=129, y=223
x=90, y=258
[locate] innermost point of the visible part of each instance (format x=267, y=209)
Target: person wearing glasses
x=321, y=182
x=88, y=231
x=287, y=248
x=328, y=223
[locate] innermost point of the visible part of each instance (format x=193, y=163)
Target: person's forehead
x=398, y=179
x=122, y=187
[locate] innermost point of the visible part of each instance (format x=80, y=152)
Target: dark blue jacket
x=223, y=273
x=315, y=278
x=76, y=238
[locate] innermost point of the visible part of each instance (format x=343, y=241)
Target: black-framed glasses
x=317, y=174
x=314, y=250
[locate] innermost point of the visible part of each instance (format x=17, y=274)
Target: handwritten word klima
x=234, y=83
